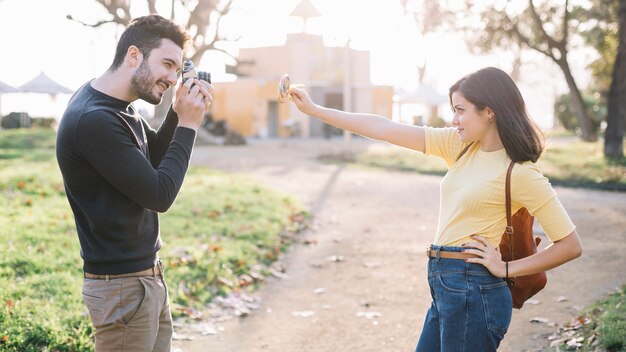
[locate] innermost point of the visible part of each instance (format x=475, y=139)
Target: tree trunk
x=614, y=134
x=588, y=133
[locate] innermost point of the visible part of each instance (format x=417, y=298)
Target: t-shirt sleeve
x=444, y=143
x=530, y=189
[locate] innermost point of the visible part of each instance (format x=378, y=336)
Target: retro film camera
x=190, y=71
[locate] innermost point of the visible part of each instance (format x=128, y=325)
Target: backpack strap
x=509, y=218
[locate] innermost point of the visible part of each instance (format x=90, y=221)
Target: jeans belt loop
x=438, y=249
x=107, y=277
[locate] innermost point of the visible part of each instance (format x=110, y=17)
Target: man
x=118, y=173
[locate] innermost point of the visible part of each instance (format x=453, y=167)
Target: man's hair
x=146, y=33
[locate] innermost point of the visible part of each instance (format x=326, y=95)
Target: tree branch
x=549, y=40
x=152, y=7
x=200, y=50
x=112, y=6
x=94, y=25
x=526, y=40
x=565, y=25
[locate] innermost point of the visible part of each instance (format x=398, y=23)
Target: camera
x=189, y=71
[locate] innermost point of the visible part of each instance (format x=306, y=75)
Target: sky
x=42, y=39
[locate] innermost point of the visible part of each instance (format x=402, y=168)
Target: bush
x=596, y=109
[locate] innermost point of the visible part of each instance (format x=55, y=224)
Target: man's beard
x=142, y=84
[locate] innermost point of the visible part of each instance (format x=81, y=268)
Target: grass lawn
x=572, y=164
x=602, y=326
x=221, y=229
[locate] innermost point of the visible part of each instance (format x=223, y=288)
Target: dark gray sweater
x=118, y=173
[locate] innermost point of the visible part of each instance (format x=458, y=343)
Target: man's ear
x=134, y=57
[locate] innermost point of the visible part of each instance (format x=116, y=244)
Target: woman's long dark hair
x=493, y=88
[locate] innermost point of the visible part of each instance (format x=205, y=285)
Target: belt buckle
x=428, y=249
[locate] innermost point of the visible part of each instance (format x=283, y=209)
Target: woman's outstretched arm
x=367, y=125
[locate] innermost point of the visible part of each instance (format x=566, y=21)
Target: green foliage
x=596, y=110
x=597, y=24
x=437, y=121
x=572, y=164
x=221, y=227
x=605, y=324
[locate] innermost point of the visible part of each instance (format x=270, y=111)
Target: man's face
x=157, y=72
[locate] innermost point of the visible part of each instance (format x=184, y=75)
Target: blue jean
x=471, y=309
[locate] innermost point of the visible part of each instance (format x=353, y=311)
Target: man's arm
x=159, y=141
x=109, y=148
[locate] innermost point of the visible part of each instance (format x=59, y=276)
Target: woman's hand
x=303, y=101
x=490, y=256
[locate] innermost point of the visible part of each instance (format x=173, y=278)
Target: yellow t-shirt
x=473, y=192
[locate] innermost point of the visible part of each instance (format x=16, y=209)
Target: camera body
x=189, y=71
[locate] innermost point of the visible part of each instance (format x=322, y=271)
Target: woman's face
x=472, y=125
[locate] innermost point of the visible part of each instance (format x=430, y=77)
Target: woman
x=471, y=308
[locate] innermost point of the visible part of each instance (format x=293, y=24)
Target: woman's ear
x=489, y=114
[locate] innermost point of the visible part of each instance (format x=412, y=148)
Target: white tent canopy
x=424, y=94
x=43, y=84
x=5, y=88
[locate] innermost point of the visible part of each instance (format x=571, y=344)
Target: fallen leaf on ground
x=368, y=315
x=372, y=264
x=336, y=258
x=176, y=336
x=539, y=320
x=303, y=313
x=316, y=264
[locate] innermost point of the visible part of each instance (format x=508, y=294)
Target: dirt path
x=379, y=223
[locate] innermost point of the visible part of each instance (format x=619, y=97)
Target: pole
x=347, y=91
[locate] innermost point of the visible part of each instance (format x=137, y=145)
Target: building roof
x=306, y=10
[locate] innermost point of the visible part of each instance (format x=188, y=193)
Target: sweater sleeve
x=109, y=147
x=159, y=141
x=444, y=143
x=530, y=189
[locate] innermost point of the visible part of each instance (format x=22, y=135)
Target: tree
x=614, y=135
x=429, y=15
x=536, y=28
x=598, y=28
x=203, y=24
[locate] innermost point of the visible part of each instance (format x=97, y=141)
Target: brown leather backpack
x=518, y=242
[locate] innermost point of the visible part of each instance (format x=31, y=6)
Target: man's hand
x=191, y=103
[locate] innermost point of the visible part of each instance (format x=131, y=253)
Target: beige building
x=250, y=104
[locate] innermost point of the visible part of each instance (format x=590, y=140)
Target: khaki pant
x=129, y=314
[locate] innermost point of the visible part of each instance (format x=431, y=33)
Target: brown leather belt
x=431, y=253
x=156, y=270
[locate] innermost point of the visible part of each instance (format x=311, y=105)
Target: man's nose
x=172, y=78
